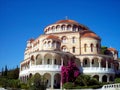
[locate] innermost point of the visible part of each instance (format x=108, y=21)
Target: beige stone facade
x=62, y=41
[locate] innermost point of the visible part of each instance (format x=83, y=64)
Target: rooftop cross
x=66, y=17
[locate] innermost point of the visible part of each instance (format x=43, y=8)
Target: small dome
x=111, y=49
x=67, y=21
x=52, y=37
x=31, y=40
x=88, y=33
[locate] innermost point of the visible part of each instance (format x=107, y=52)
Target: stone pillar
x=61, y=61
x=81, y=64
x=52, y=60
x=106, y=65
x=90, y=63
x=99, y=64
x=100, y=78
x=52, y=81
x=107, y=78
x=35, y=61
x=43, y=61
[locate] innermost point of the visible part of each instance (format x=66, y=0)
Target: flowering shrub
x=70, y=72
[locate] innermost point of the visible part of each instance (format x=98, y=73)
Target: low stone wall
x=2, y=89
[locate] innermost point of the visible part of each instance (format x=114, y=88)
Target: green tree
x=37, y=82
x=82, y=80
x=103, y=49
x=6, y=71
x=2, y=73
x=16, y=73
x=86, y=80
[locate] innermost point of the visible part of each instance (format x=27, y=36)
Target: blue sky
x=21, y=20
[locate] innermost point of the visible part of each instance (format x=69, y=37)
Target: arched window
x=58, y=45
x=79, y=28
x=73, y=39
x=53, y=44
x=64, y=48
x=85, y=61
x=58, y=27
x=63, y=27
x=85, y=47
x=48, y=61
x=74, y=28
x=55, y=62
x=97, y=47
x=45, y=44
x=73, y=49
x=49, y=44
x=68, y=27
x=53, y=28
x=64, y=39
x=92, y=61
x=48, y=29
x=91, y=46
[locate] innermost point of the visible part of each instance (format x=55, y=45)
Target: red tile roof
x=67, y=21
x=88, y=33
x=112, y=49
x=52, y=37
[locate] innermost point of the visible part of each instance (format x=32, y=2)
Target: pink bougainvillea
x=70, y=72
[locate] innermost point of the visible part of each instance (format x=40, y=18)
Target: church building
x=62, y=41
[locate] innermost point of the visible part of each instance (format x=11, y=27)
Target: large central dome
x=65, y=26
x=67, y=21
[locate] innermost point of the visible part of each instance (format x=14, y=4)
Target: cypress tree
x=2, y=73
x=6, y=71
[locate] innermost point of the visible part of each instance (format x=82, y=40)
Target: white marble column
x=42, y=61
x=52, y=61
x=106, y=65
x=99, y=64
x=81, y=64
x=100, y=78
x=52, y=81
x=90, y=63
x=107, y=78
x=61, y=61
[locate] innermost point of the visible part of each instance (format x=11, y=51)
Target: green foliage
x=37, y=83
x=68, y=85
x=93, y=81
x=12, y=83
x=86, y=80
x=23, y=86
x=10, y=74
x=83, y=82
x=9, y=78
x=103, y=49
x=6, y=71
x=117, y=80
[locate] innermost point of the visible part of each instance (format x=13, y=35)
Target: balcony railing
x=36, y=68
x=96, y=70
x=46, y=67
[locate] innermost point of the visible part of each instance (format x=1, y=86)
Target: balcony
x=37, y=68
x=45, y=68
x=96, y=70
